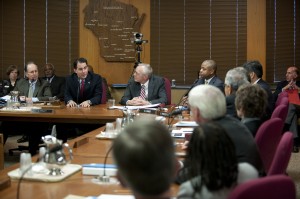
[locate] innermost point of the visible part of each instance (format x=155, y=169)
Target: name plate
x=41, y=110
x=150, y=111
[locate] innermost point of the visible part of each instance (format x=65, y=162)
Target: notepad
x=97, y=169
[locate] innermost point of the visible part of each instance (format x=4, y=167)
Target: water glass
x=110, y=103
x=25, y=163
x=119, y=125
x=109, y=129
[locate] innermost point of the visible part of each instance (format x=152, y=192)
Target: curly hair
x=211, y=155
x=252, y=100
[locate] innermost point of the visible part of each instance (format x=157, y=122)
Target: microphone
x=77, y=96
x=104, y=177
x=178, y=111
x=193, y=85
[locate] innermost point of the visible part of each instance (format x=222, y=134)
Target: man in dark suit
x=83, y=87
x=208, y=75
x=207, y=103
x=144, y=88
x=291, y=122
x=57, y=83
x=255, y=73
x=33, y=89
x=234, y=78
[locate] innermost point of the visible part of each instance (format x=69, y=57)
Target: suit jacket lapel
x=212, y=81
x=150, y=88
x=37, y=86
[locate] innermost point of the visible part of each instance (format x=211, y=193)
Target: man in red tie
x=83, y=88
x=144, y=88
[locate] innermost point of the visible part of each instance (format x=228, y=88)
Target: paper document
x=134, y=107
x=6, y=97
x=109, y=196
x=186, y=123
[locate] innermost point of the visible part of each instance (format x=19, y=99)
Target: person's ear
x=230, y=90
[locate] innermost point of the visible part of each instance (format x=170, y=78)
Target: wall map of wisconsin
x=113, y=23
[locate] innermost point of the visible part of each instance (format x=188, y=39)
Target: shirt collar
x=146, y=83
x=256, y=81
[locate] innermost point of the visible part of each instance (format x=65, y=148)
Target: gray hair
x=147, y=69
x=209, y=100
x=236, y=77
x=144, y=154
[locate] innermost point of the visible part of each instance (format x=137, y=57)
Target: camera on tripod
x=138, y=38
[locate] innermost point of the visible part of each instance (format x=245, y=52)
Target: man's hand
x=137, y=101
x=291, y=85
x=71, y=103
x=85, y=104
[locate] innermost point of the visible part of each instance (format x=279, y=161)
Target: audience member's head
x=81, y=68
x=234, y=79
x=208, y=69
x=142, y=73
x=211, y=155
x=144, y=154
x=251, y=101
x=12, y=72
x=49, y=70
x=254, y=70
x=292, y=73
x=31, y=71
x=206, y=103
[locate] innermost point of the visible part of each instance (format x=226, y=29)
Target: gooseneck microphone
x=77, y=95
x=104, y=177
x=179, y=111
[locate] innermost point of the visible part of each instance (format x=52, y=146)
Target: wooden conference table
x=86, y=149
x=98, y=114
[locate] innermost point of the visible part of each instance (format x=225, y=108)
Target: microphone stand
x=105, y=178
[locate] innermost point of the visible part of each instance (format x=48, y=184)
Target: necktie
x=81, y=88
x=30, y=93
x=206, y=81
x=143, y=92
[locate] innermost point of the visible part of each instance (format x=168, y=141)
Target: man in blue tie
x=33, y=89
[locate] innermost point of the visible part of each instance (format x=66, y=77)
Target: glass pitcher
x=55, y=157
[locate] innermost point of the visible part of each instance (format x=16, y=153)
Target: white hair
x=147, y=69
x=209, y=100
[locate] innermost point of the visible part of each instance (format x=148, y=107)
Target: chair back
x=281, y=97
x=275, y=187
x=168, y=90
x=267, y=138
x=281, y=112
x=104, y=91
x=282, y=100
x=282, y=155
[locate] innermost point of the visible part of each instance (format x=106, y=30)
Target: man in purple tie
x=144, y=88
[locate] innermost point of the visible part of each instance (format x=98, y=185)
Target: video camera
x=138, y=38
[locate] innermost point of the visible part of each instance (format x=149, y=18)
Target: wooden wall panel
x=256, y=32
x=114, y=72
